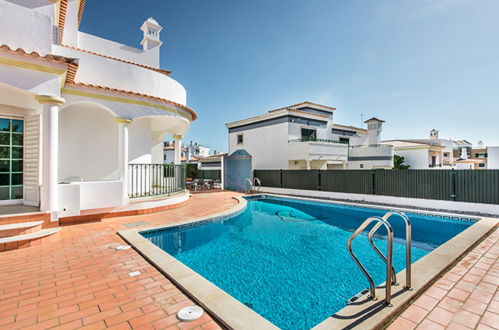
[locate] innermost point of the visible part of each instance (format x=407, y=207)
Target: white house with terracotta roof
x=304, y=136
x=78, y=113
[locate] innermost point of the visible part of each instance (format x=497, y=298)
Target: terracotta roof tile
x=165, y=72
x=71, y=63
x=80, y=11
x=63, y=6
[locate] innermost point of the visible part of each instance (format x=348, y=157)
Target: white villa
x=190, y=153
x=437, y=153
x=79, y=113
x=304, y=136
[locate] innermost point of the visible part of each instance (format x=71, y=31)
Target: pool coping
x=235, y=315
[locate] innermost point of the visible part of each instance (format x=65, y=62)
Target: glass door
x=11, y=158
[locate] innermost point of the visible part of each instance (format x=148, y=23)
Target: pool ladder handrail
x=372, y=286
x=408, y=242
x=252, y=185
x=390, y=270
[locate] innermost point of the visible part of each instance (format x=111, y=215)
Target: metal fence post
x=373, y=182
x=319, y=180
x=453, y=184
x=280, y=178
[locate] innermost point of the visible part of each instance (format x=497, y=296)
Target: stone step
x=6, y=219
x=20, y=228
x=19, y=241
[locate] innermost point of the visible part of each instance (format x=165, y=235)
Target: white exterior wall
x=24, y=28
x=102, y=71
x=416, y=158
x=140, y=142
x=88, y=144
x=268, y=146
x=115, y=49
x=383, y=151
x=294, y=131
x=493, y=158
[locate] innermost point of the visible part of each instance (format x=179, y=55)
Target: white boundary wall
x=485, y=209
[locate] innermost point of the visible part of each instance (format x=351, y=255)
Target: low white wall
x=492, y=209
x=78, y=196
x=115, y=49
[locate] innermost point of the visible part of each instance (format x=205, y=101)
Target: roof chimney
x=434, y=134
x=151, y=30
x=374, y=130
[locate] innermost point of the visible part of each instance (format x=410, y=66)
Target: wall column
x=178, y=149
x=49, y=200
x=123, y=154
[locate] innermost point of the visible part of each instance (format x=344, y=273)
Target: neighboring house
x=437, y=153
x=190, y=153
x=213, y=162
x=77, y=109
x=304, y=136
x=469, y=156
x=425, y=153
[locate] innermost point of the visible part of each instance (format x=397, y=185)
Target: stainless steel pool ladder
x=390, y=271
x=252, y=184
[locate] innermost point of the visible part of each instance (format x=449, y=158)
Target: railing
x=372, y=146
x=155, y=179
x=316, y=140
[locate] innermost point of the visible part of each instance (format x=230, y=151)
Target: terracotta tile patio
x=79, y=280
x=466, y=297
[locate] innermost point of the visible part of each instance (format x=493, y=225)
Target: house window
x=361, y=165
x=11, y=158
x=344, y=140
x=308, y=134
x=481, y=165
x=240, y=139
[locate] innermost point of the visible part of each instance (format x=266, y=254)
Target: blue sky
x=416, y=64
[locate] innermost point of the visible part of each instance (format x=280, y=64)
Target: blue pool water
x=296, y=273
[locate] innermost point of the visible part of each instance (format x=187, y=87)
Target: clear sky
x=416, y=64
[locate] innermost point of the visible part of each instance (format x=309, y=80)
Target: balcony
x=145, y=180
x=317, y=149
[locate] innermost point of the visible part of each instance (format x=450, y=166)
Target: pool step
x=26, y=240
x=20, y=228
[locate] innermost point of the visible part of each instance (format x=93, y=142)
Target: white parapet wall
x=430, y=204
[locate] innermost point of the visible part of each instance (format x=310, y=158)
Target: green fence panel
x=347, y=181
x=427, y=184
x=269, y=178
x=300, y=179
x=477, y=186
x=209, y=174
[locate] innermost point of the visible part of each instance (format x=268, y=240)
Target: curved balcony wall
x=98, y=70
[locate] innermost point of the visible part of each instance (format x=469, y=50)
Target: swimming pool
x=286, y=258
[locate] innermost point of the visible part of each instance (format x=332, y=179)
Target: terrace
x=78, y=278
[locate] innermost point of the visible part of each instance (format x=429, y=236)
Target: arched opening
x=88, y=143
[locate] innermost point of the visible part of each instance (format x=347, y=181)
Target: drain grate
x=135, y=224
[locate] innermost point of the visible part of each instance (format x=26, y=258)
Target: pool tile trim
x=371, y=314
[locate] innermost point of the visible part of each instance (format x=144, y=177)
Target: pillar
x=49, y=194
x=178, y=149
x=123, y=154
